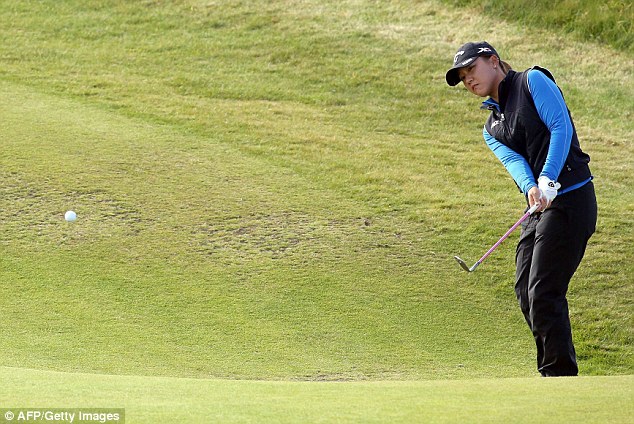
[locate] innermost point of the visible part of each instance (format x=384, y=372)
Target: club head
x=462, y=264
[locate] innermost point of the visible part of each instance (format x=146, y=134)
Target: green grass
x=275, y=191
x=252, y=269
x=168, y=399
x=606, y=22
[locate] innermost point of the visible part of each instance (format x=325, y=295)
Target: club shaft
x=517, y=224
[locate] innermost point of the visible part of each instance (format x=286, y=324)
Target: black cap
x=465, y=55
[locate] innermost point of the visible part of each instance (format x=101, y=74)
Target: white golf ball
x=70, y=216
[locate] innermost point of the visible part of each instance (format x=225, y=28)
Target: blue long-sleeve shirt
x=553, y=111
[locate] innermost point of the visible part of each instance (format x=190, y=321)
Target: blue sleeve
x=553, y=111
x=514, y=163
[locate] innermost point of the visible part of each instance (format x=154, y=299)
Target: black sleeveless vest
x=519, y=127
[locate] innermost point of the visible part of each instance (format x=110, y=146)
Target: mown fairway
x=584, y=400
x=275, y=191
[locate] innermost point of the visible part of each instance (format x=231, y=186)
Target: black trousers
x=549, y=251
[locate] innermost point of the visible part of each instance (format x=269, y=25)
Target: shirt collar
x=490, y=104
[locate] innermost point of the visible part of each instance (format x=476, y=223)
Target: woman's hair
x=505, y=66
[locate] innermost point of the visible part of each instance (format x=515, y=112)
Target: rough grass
x=600, y=21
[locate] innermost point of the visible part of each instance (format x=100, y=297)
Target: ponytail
x=505, y=66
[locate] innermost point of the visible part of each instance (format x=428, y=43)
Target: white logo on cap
x=455, y=58
x=483, y=49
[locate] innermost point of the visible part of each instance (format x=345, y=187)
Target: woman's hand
x=535, y=196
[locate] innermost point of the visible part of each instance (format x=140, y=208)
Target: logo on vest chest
x=498, y=122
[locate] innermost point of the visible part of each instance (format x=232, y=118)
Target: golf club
x=522, y=219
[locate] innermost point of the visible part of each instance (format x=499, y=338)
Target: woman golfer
x=531, y=132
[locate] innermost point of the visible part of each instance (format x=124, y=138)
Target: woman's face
x=482, y=77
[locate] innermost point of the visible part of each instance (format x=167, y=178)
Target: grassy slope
x=606, y=22
x=190, y=258
x=167, y=399
x=224, y=161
